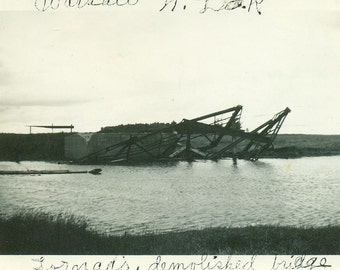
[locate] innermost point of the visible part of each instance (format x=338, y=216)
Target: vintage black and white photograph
x=170, y=127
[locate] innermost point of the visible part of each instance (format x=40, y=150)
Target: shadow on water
x=261, y=164
x=234, y=166
x=145, y=164
x=166, y=163
x=250, y=167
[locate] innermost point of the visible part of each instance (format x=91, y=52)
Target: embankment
x=54, y=147
x=17, y=147
x=303, y=145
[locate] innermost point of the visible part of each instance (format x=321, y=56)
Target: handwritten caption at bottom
x=222, y=262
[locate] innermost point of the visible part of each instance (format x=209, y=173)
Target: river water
x=182, y=195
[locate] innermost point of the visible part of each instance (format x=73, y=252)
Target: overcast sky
x=102, y=66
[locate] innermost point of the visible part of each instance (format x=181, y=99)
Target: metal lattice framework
x=212, y=136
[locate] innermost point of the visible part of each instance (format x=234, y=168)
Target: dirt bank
x=51, y=147
x=302, y=145
x=17, y=147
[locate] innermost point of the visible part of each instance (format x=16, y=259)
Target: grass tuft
x=40, y=233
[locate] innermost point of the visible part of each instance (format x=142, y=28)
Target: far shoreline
x=50, y=146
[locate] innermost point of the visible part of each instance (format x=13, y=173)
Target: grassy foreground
x=40, y=233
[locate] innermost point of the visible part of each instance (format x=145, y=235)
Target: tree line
x=138, y=127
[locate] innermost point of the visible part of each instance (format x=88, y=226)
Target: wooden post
x=188, y=147
x=234, y=152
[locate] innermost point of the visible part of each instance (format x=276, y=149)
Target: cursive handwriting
x=206, y=263
x=215, y=5
x=43, y=5
x=299, y=262
x=116, y=264
x=222, y=5
x=167, y=5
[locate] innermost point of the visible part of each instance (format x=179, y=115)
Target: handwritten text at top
x=164, y=5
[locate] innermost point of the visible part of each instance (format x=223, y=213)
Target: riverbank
x=40, y=233
x=304, y=145
x=51, y=147
x=44, y=147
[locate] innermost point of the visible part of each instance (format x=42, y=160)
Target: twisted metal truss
x=212, y=136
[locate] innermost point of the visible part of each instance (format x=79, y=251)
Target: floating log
x=33, y=172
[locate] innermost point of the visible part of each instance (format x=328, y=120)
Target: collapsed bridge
x=213, y=136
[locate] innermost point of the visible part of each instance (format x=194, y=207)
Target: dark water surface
x=182, y=196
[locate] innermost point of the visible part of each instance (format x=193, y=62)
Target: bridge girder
x=212, y=136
